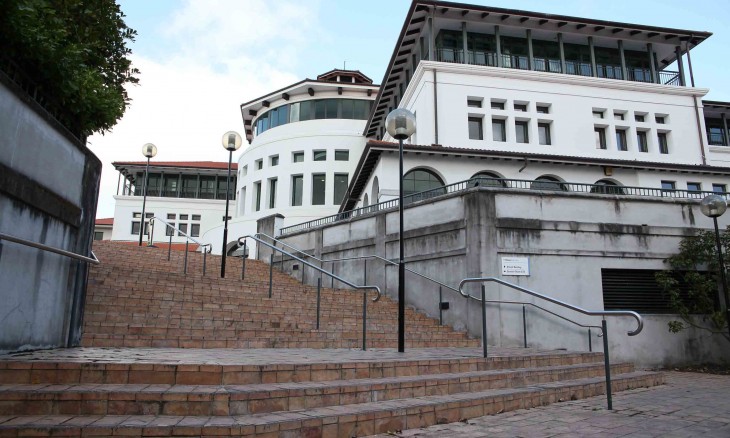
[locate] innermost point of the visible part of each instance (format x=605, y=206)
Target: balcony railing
x=669, y=78
x=717, y=139
x=476, y=57
x=516, y=61
x=450, y=55
x=502, y=183
x=578, y=68
x=609, y=71
x=547, y=65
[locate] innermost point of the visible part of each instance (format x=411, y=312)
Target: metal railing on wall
x=93, y=260
x=171, y=230
x=504, y=183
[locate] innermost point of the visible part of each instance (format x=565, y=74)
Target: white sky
x=200, y=59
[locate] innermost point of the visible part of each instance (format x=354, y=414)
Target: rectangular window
x=476, y=130
x=136, y=215
x=171, y=216
x=669, y=185
x=543, y=131
x=319, y=155
x=196, y=217
x=319, y=185
x=663, y=143
x=621, y=140
x=340, y=187
x=298, y=157
x=474, y=103
x=98, y=235
x=521, y=132
x=637, y=289
x=600, y=134
x=497, y=105
x=244, y=172
x=183, y=217
x=149, y=215
x=660, y=119
x=170, y=230
x=297, y=189
x=719, y=188
x=342, y=155
x=618, y=116
x=207, y=187
x=499, y=132
x=272, y=192
x=274, y=160
x=135, y=228
x=642, y=141
x=259, y=164
x=597, y=114
x=521, y=107
x=694, y=187
x=183, y=229
x=543, y=109
x=257, y=191
x=639, y=117
x=195, y=230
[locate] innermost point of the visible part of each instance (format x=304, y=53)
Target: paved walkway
x=689, y=405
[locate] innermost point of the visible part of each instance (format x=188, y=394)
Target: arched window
x=607, y=187
x=487, y=179
x=422, y=180
x=547, y=182
x=366, y=201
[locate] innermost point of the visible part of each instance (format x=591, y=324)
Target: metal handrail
x=631, y=313
x=151, y=238
x=179, y=232
x=93, y=260
x=316, y=268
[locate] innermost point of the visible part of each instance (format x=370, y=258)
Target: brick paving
x=688, y=405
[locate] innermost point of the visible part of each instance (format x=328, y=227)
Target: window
x=183, y=229
x=274, y=160
x=340, y=187
x=98, y=235
x=521, y=107
x=621, y=140
x=244, y=171
x=498, y=130
x=618, y=116
x=319, y=155
x=669, y=185
x=272, y=192
x=149, y=215
x=663, y=143
x=543, y=109
x=521, y=132
x=170, y=230
x=719, y=188
x=694, y=187
x=257, y=190
x=196, y=217
x=474, y=103
x=496, y=105
x=607, y=187
x=543, y=132
x=476, y=130
x=660, y=120
x=135, y=228
x=597, y=114
x=421, y=180
x=600, y=134
x=342, y=155
x=487, y=179
x=547, y=182
x=189, y=186
x=195, y=230
x=183, y=217
x=259, y=164
x=171, y=216
x=639, y=117
x=207, y=187
x=297, y=188
x=637, y=289
x=319, y=185
x=641, y=141
x=136, y=215
x=298, y=157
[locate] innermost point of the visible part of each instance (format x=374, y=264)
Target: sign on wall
x=515, y=266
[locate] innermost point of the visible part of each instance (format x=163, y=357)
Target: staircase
x=172, y=355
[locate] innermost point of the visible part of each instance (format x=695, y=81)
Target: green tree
x=75, y=51
x=697, y=266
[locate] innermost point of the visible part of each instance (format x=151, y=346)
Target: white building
x=190, y=195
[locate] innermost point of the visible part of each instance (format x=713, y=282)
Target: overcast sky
x=200, y=59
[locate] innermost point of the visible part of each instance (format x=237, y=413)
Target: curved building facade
x=304, y=143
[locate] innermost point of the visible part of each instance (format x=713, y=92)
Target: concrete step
x=329, y=421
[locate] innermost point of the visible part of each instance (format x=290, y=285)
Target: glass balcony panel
x=450, y=55
x=476, y=57
x=578, y=68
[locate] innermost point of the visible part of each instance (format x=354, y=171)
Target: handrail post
x=243, y=261
x=271, y=271
x=205, y=260
x=524, y=324
x=364, y=320
x=484, y=320
x=319, y=289
x=169, y=245
x=365, y=273
x=441, y=309
x=333, y=275
x=590, y=341
x=185, y=263
x=304, y=270
x=607, y=364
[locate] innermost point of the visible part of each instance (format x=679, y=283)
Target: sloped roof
x=104, y=221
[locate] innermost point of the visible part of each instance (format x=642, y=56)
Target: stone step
x=330, y=421
x=142, y=399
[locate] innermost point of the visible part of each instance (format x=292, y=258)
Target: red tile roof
x=189, y=164
x=105, y=221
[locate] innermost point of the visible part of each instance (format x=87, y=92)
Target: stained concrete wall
x=49, y=185
x=567, y=237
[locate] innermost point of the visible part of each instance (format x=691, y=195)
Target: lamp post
x=401, y=124
x=148, y=150
x=231, y=142
x=714, y=206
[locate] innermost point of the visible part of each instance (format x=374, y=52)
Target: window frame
x=548, y=133
x=480, y=127
x=502, y=125
x=316, y=185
